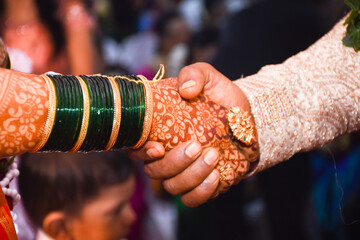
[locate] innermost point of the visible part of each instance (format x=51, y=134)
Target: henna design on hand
x=176, y=121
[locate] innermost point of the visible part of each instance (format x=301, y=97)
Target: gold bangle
x=149, y=110
x=117, y=114
x=86, y=115
x=241, y=125
x=50, y=117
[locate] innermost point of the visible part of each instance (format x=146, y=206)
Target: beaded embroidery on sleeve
x=307, y=101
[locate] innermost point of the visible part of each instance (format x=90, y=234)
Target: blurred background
x=315, y=195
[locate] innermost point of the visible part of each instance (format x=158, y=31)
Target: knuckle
x=149, y=170
x=190, y=201
x=171, y=187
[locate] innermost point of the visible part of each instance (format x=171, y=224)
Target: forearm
x=23, y=111
x=307, y=101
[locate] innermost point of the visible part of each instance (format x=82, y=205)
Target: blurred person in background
x=203, y=45
x=173, y=35
x=49, y=35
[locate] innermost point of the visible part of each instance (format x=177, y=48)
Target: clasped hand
x=190, y=169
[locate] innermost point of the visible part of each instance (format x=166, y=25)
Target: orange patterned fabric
x=7, y=229
x=176, y=121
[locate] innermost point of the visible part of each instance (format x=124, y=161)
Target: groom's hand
x=189, y=169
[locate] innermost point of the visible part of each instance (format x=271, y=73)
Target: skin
x=98, y=217
x=186, y=172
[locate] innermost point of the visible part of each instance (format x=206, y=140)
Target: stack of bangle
x=96, y=113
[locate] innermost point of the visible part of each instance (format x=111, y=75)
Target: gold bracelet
x=241, y=125
x=149, y=111
x=117, y=114
x=50, y=117
x=86, y=115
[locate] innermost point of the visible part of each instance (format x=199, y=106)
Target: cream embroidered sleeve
x=307, y=101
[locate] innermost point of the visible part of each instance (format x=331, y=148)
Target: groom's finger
x=193, y=175
x=202, y=77
x=202, y=193
x=191, y=81
x=174, y=161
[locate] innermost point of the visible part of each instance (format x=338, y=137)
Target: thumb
x=204, y=78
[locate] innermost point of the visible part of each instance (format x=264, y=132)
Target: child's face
x=108, y=217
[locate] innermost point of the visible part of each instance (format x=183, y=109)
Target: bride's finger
x=193, y=175
x=174, y=161
x=202, y=193
x=150, y=151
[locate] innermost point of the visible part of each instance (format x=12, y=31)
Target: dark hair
x=65, y=182
x=48, y=13
x=204, y=37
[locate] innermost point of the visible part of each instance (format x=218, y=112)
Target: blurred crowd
x=313, y=196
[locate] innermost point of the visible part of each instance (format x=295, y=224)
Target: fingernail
x=193, y=150
x=211, y=157
x=188, y=84
x=153, y=153
x=212, y=178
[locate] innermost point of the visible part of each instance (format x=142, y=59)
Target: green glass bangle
x=50, y=142
x=62, y=131
x=91, y=134
x=107, y=109
x=131, y=113
x=142, y=108
x=127, y=116
x=68, y=114
x=110, y=112
x=92, y=99
x=74, y=112
x=101, y=113
x=137, y=117
x=124, y=113
x=67, y=125
x=70, y=109
x=55, y=136
x=77, y=109
x=97, y=117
